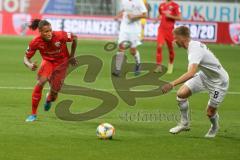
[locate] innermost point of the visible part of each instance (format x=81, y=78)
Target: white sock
x=137, y=57
x=119, y=60
x=214, y=121
x=183, y=106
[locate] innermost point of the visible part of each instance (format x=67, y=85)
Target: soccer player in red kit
x=169, y=12
x=52, y=46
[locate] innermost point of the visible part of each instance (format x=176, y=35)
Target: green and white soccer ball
x=105, y=131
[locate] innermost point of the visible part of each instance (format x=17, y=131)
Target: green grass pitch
x=50, y=138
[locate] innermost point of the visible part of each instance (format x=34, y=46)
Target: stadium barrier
x=107, y=28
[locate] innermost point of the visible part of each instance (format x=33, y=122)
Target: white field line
x=110, y=90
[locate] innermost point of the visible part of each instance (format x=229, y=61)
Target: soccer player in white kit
x=211, y=77
x=130, y=32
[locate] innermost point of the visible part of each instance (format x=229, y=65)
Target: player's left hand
x=167, y=87
x=73, y=61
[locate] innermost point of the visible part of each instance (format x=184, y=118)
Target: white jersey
x=134, y=7
x=209, y=65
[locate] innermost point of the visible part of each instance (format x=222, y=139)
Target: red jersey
x=53, y=50
x=171, y=8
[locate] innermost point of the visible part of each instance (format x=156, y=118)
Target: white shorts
x=217, y=91
x=133, y=38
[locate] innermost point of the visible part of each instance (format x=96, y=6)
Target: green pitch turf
x=50, y=138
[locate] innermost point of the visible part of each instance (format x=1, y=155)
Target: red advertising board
x=1, y=23
x=106, y=27
x=38, y=6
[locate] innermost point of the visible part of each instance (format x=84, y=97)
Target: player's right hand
x=33, y=66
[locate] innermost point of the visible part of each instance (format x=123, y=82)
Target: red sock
x=171, y=56
x=36, y=97
x=171, y=52
x=159, y=55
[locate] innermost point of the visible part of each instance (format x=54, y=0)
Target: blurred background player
x=197, y=16
x=55, y=56
x=144, y=20
x=211, y=77
x=169, y=12
x=130, y=32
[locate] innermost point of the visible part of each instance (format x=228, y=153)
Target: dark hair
x=182, y=31
x=38, y=24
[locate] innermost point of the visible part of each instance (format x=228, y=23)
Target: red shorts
x=164, y=35
x=55, y=72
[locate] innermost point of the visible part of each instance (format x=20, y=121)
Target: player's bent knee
x=181, y=95
x=41, y=82
x=160, y=46
x=184, y=92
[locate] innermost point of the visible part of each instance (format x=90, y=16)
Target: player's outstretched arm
x=192, y=70
x=31, y=65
